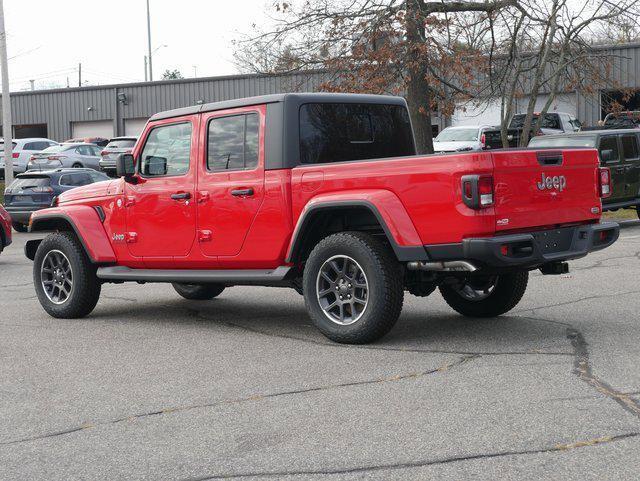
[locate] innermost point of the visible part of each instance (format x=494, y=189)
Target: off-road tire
x=385, y=292
x=18, y=227
x=198, y=292
x=507, y=293
x=85, y=291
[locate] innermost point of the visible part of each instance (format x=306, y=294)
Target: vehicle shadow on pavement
x=428, y=329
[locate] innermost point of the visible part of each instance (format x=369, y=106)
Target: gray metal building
x=122, y=109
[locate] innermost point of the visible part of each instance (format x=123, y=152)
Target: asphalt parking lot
x=152, y=386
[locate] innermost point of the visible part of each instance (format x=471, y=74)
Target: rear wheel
x=65, y=279
x=198, y=292
x=77, y=165
x=353, y=288
x=18, y=227
x=486, y=296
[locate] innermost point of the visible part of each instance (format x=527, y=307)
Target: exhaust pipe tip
x=446, y=266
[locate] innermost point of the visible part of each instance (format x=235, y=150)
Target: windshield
x=457, y=135
x=549, y=121
x=55, y=148
x=565, y=142
x=24, y=183
x=121, y=144
x=622, y=120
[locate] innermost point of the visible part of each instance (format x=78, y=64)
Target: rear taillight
x=15, y=155
x=56, y=157
x=33, y=157
x=43, y=190
x=477, y=191
x=604, y=181
x=104, y=152
x=483, y=141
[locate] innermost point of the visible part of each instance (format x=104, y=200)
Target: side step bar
x=191, y=276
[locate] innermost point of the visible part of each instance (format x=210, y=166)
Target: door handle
x=181, y=196
x=242, y=192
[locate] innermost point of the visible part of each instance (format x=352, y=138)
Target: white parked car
x=460, y=139
x=23, y=149
x=66, y=155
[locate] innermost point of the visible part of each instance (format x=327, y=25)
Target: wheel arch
x=319, y=219
x=83, y=221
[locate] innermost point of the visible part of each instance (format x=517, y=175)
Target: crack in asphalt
x=420, y=463
x=582, y=368
x=257, y=397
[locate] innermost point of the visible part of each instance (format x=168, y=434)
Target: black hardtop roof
x=299, y=98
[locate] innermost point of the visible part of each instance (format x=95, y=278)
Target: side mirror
x=606, y=155
x=125, y=166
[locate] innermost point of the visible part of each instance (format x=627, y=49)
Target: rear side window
x=610, y=143
x=167, y=151
x=233, y=142
x=630, y=147
x=24, y=183
x=345, y=132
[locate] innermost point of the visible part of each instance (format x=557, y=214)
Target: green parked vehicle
x=619, y=150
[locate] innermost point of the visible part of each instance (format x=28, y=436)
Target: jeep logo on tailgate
x=557, y=182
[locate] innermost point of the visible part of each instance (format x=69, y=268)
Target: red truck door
x=161, y=217
x=230, y=186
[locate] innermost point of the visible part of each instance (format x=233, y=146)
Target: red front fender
x=84, y=221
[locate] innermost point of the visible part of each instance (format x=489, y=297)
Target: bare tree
x=428, y=50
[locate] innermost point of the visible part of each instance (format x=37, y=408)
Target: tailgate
x=537, y=188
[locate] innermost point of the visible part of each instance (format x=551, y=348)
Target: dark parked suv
x=619, y=150
x=33, y=191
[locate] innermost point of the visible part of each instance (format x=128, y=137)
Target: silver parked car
x=22, y=150
x=66, y=155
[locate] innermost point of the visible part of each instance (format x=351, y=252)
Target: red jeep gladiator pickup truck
x=322, y=193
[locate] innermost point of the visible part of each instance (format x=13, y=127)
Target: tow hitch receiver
x=554, y=268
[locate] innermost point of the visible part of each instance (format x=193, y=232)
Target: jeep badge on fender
x=557, y=182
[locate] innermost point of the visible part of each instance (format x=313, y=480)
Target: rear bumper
x=22, y=214
x=530, y=250
x=107, y=165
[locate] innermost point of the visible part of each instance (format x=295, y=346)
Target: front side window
x=233, y=142
x=167, y=151
x=344, y=132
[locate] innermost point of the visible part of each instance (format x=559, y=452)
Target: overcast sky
x=48, y=38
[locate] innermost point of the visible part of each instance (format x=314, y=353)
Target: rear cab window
x=334, y=132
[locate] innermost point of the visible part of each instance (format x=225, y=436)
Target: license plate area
x=554, y=240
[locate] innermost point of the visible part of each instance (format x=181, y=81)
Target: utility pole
x=80, y=74
x=7, y=128
x=195, y=71
x=146, y=72
x=149, y=42
x=33, y=86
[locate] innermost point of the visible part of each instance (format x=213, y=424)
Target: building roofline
x=166, y=82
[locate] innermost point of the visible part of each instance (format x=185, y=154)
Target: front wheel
x=198, y=292
x=353, y=288
x=64, y=278
x=486, y=296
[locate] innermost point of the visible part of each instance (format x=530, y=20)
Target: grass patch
x=621, y=214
